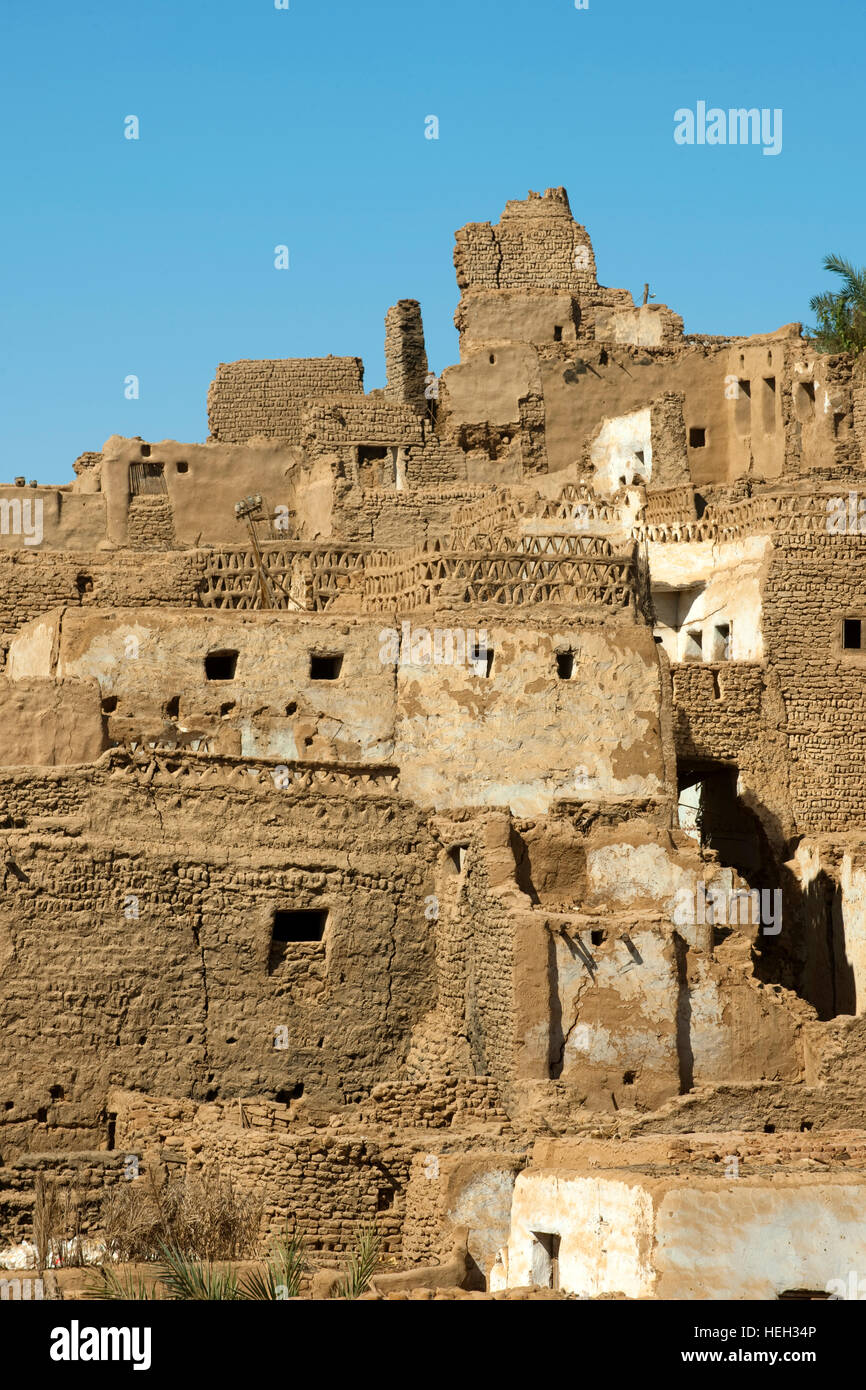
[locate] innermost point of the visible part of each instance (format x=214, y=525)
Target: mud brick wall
x=532, y=441
x=842, y=423
x=151, y=523
x=858, y=384
x=840, y=380
x=33, y=584
x=533, y=246
x=475, y=969
x=814, y=580
x=405, y=354
x=366, y=420
x=670, y=463
x=434, y=463
x=734, y=712
x=717, y=708
x=87, y=1176
x=395, y=520
x=456, y=1191
x=143, y=953
x=267, y=397
x=328, y=1187
x=669, y=505
x=433, y=1105
x=130, y=580
x=46, y=799
x=424, y=1237
x=328, y=1184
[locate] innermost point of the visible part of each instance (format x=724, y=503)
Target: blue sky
x=305, y=127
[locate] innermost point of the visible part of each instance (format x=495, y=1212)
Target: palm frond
x=193, y=1281
x=288, y=1263
x=281, y=1277
x=105, y=1284
x=258, y=1286
x=361, y=1265
x=823, y=303
x=855, y=276
x=840, y=314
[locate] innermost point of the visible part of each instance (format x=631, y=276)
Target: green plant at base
x=105, y=1284
x=281, y=1278
x=187, y=1279
x=361, y=1265
x=192, y=1280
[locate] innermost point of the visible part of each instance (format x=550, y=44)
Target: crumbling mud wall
x=470, y=842
x=266, y=398
x=154, y=956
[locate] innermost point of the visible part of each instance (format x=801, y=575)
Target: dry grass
x=203, y=1217
x=57, y=1221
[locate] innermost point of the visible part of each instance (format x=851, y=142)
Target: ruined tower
x=405, y=354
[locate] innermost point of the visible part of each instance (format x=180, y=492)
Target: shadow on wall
x=804, y=950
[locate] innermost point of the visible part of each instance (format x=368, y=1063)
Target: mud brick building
x=351, y=856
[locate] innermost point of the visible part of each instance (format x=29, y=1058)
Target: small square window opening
x=325, y=667
x=220, y=665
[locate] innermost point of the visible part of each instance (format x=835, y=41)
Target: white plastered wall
x=700, y=588
x=622, y=450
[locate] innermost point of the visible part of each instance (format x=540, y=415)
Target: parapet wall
x=266, y=398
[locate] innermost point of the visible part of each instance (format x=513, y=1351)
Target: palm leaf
x=193, y=1281
x=841, y=315
x=361, y=1265
x=105, y=1284
x=281, y=1278
x=855, y=276
x=288, y=1263
x=258, y=1287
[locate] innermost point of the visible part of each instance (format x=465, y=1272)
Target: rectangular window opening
x=325, y=667
x=852, y=630
x=371, y=461
x=147, y=479
x=457, y=856
x=697, y=437
x=220, y=665
x=769, y=404
x=804, y=400
x=299, y=924
x=565, y=665
x=693, y=645
x=743, y=408
x=482, y=659
x=557, y=333
x=294, y=927
x=722, y=642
